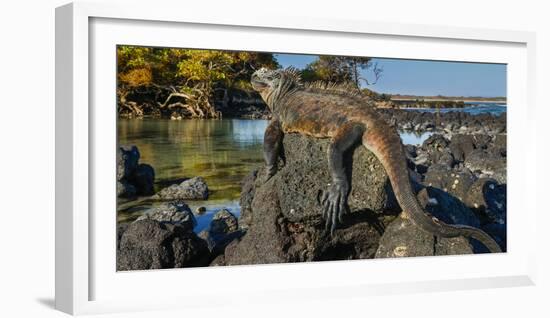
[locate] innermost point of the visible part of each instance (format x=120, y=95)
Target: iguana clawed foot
x=334, y=203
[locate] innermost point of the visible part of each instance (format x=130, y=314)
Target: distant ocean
x=473, y=108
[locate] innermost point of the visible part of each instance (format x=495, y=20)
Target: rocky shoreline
x=445, y=123
x=459, y=175
x=422, y=103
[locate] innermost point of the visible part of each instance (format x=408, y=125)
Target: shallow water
x=223, y=152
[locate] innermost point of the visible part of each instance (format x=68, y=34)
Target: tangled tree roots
x=195, y=103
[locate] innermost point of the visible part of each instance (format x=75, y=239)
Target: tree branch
x=182, y=95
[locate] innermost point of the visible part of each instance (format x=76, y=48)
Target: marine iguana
x=349, y=119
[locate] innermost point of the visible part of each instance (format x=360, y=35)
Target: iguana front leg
x=273, y=141
x=335, y=200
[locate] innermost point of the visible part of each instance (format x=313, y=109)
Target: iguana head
x=274, y=84
x=264, y=79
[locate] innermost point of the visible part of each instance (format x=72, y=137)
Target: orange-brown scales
x=342, y=113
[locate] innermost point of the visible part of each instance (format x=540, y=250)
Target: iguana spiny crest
x=275, y=83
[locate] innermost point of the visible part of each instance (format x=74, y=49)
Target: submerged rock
x=191, y=189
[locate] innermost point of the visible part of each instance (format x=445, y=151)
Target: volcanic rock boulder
x=461, y=146
x=175, y=212
x=125, y=189
x=133, y=178
x=456, y=182
x=223, y=229
x=283, y=215
x=403, y=238
x=446, y=207
x=300, y=184
x=191, y=189
x=435, y=150
x=127, y=161
x=487, y=198
x=248, y=189
x=487, y=163
x=144, y=179
x=150, y=244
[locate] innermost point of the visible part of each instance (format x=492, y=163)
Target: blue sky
x=421, y=77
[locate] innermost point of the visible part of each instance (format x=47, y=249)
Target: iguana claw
x=334, y=205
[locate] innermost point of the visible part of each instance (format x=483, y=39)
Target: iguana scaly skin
x=349, y=120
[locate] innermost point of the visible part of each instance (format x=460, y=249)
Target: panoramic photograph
x=240, y=157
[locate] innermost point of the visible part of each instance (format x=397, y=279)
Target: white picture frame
x=82, y=29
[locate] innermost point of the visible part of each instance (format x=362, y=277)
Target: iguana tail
x=386, y=144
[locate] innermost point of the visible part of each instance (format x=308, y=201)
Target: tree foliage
x=340, y=69
x=163, y=79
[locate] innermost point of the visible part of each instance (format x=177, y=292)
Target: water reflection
x=248, y=132
x=221, y=151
